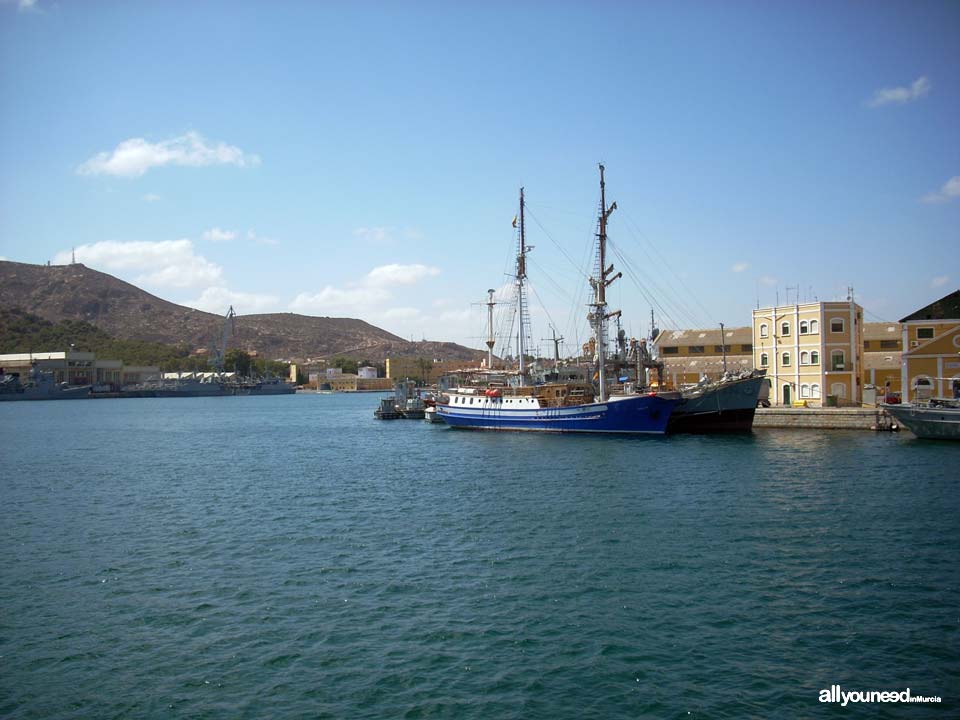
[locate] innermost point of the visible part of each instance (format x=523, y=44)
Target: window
x=719, y=348
x=804, y=391
x=924, y=333
x=696, y=349
x=888, y=344
x=837, y=359
x=764, y=360
x=785, y=359
x=836, y=325
x=814, y=357
x=866, y=344
x=763, y=330
x=804, y=330
x=804, y=358
x=747, y=347
x=815, y=391
x=814, y=328
x=839, y=389
x=784, y=329
x=670, y=350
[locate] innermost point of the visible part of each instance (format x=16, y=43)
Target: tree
x=238, y=361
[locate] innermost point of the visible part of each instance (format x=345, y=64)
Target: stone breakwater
x=820, y=418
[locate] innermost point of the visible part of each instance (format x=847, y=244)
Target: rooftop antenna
x=73, y=256
x=849, y=293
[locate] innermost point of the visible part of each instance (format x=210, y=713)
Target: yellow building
x=812, y=352
x=689, y=355
x=882, y=346
x=930, y=364
x=424, y=369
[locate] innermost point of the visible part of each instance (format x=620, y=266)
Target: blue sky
x=364, y=159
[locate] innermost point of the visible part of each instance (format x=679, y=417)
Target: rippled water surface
x=285, y=557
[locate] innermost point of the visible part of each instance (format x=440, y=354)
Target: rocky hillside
x=76, y=292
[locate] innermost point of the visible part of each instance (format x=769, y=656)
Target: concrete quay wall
x=818, y=418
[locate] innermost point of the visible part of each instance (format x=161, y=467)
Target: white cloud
x=391, y=275
x=218, y=298
x=374, y=234
x=768, y=280
x=134, y=157
x=217, y=235
x=901, y=95
x=939, y=281
x=25, y=5
x=366, y=297
x=2, y=258
x=253, y=237
x=168, y=263
x=949, y=191
x=151, y=197
x=740, y=267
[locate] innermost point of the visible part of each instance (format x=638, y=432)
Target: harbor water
x=290, y=556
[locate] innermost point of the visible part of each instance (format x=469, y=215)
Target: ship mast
x=600, y=314
x=490, y=339
x=521, y=276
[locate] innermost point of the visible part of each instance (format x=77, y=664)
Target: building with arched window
x=811, y=351
x=930, y=363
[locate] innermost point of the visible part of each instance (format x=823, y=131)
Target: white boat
x=937, y=419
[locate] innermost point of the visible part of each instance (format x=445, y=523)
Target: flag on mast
x=514, y=223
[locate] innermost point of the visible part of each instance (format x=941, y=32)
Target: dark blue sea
x=292, y=557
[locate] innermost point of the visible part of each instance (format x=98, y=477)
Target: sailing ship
x=560, y=407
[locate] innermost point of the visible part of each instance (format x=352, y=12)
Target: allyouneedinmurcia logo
x=837, y=695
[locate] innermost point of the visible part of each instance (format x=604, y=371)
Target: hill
x=124, y=311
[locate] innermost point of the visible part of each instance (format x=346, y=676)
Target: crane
x=220, y=351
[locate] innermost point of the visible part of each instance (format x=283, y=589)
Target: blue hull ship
x=637, y=414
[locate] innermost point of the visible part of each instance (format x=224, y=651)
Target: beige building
x=812, y=352
x=423, y=369
x=882, y=346
x=930, y=363
x=76, y=368
x=689, y=355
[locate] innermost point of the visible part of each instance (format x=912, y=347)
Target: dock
x=824, y=418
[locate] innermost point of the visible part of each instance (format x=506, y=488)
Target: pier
x=823, y=418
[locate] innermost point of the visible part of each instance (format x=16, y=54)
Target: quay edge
x=822, y=418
